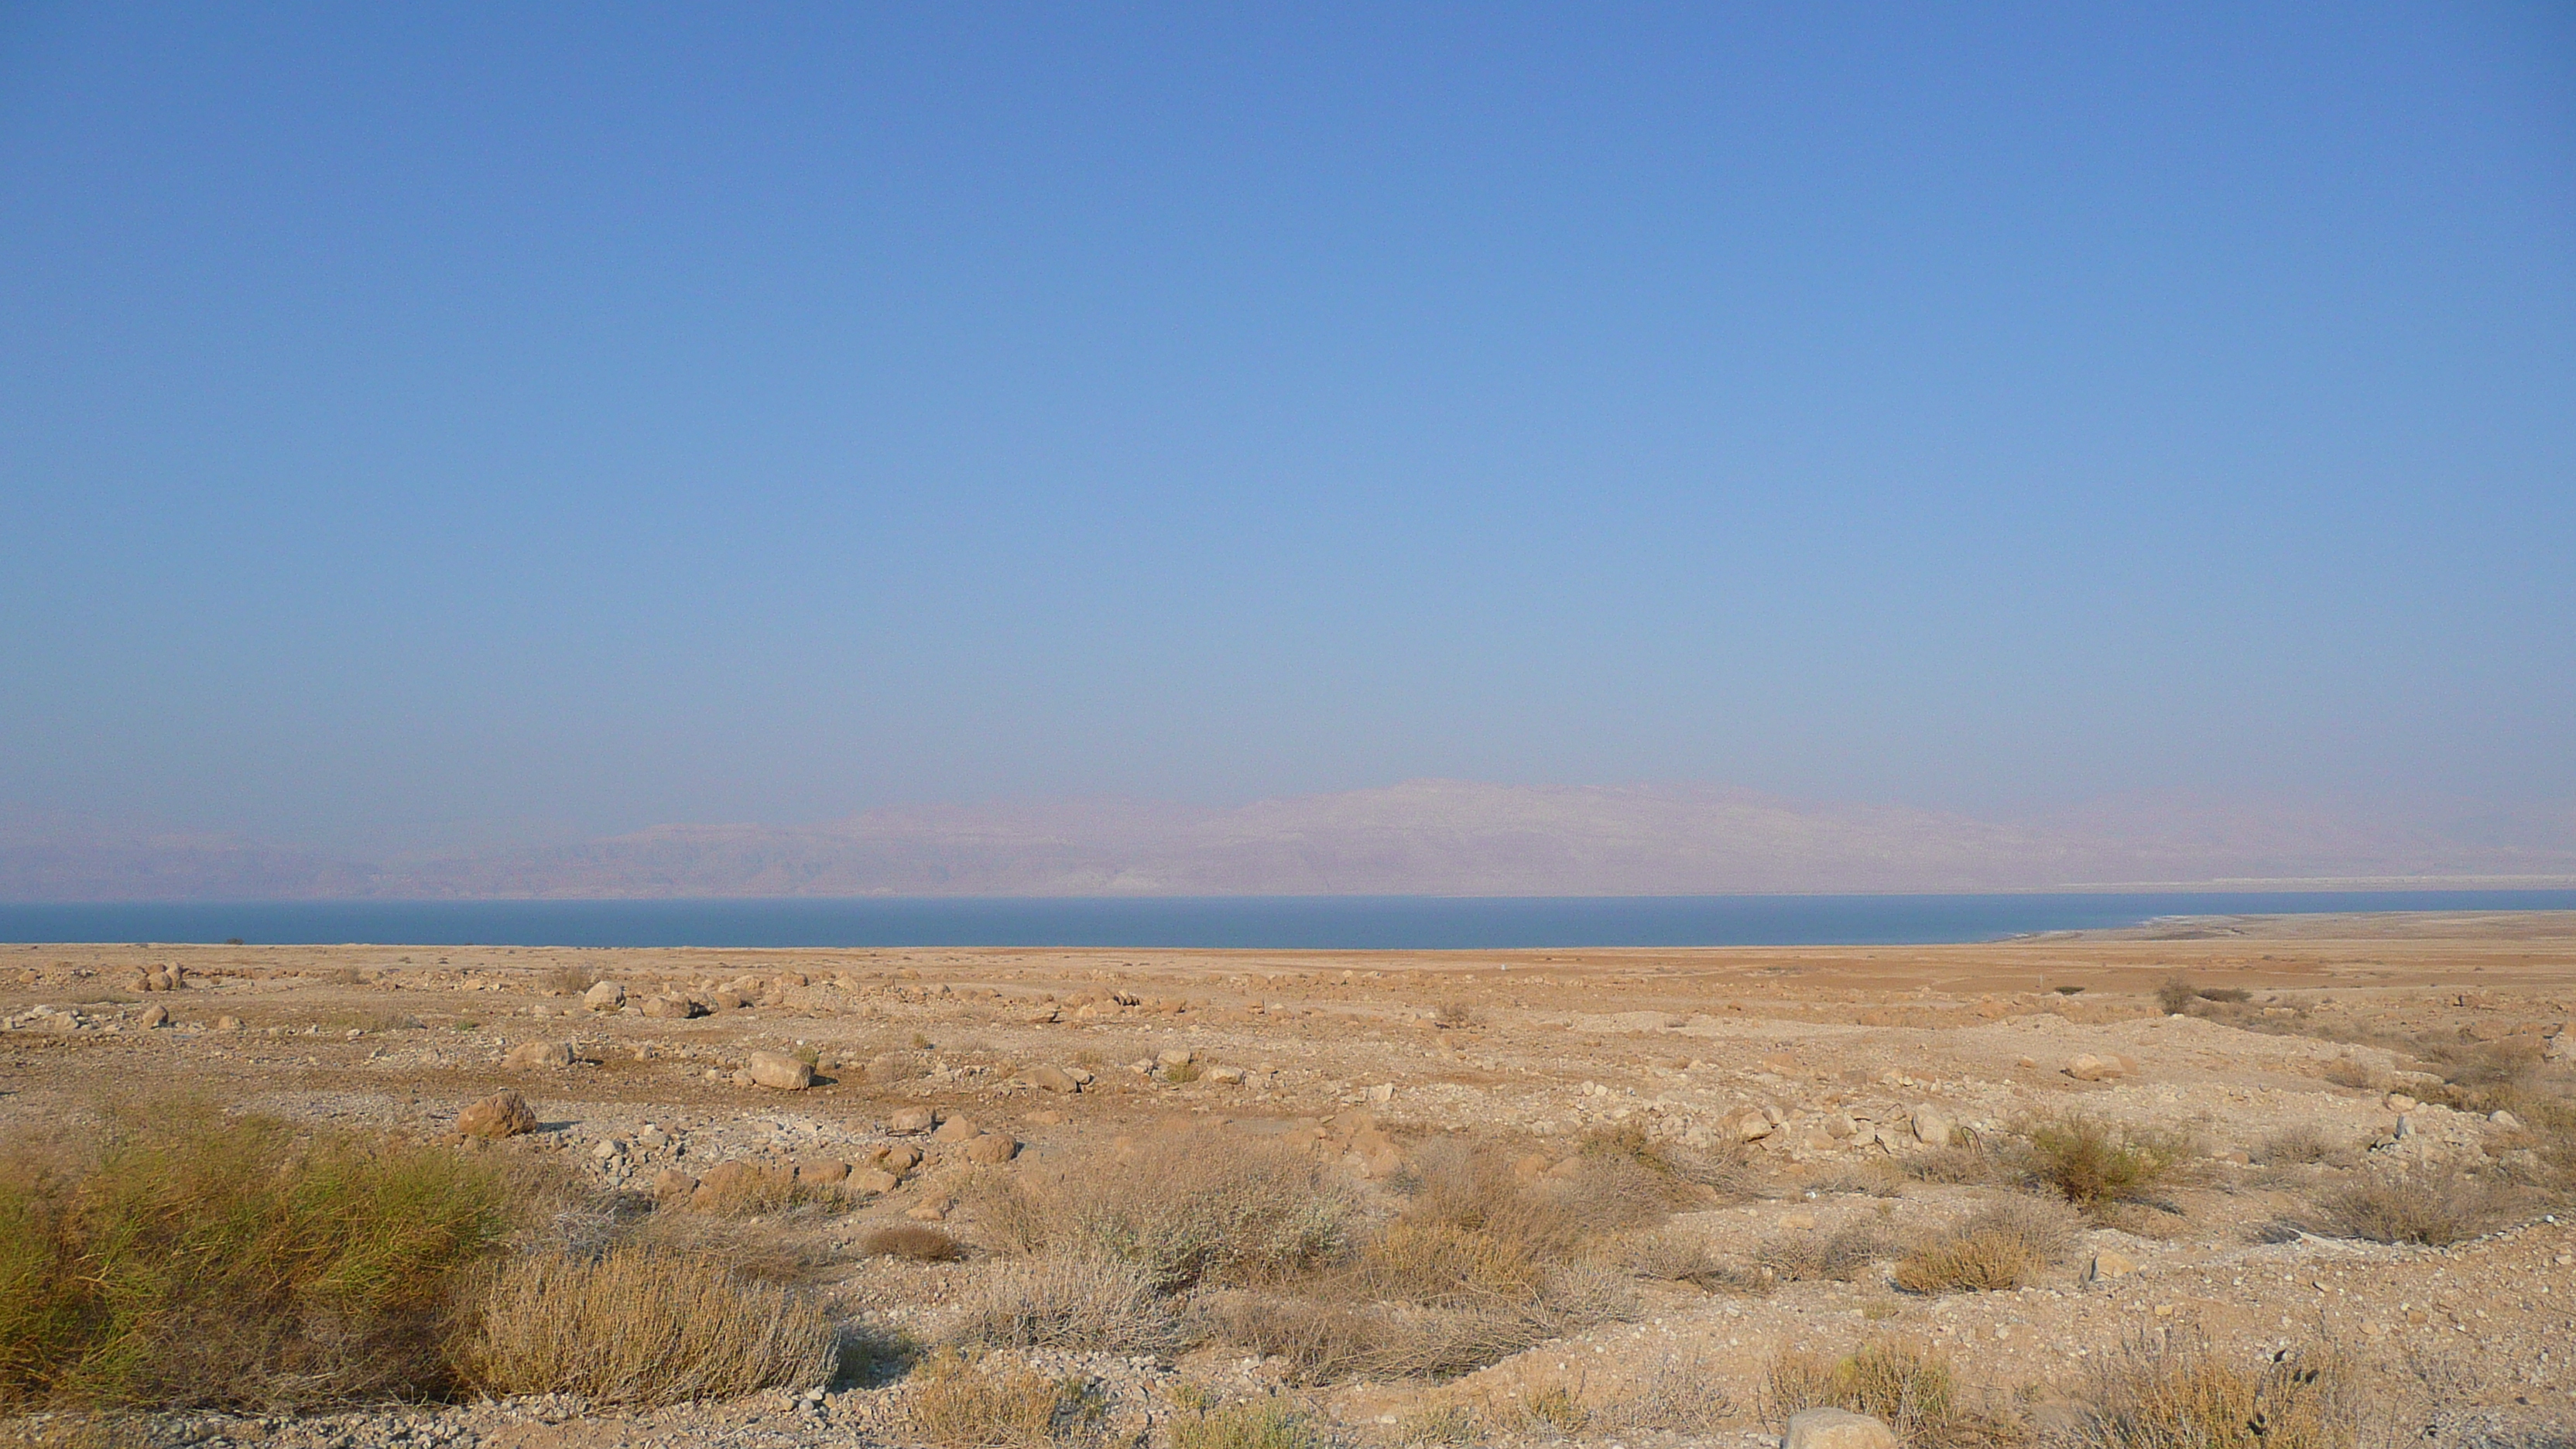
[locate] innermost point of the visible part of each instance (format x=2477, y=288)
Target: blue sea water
x=1207, y=922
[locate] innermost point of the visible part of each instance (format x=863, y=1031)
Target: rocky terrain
x=1858, y=1097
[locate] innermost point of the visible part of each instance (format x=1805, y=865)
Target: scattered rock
x=2399, y=1103
x=2107, y=1264
x=2505, y=1120
x=1836, y=1429
x=957, y=1129
x=779, y=1071
x=875, y=1180
x=824, y=1174
x=155, y=1016
x=228, y=1023
x=1931, y=1128
x=671, y=1008
x=539, y=1054
x=1175, y=1057
x=909, y=1120
x=992, y=1148
x=2090, y=1068
x=604, y=996
x=1054, y=1079
x=503, y=1114
x=1745, y=1124
x=672, y=1185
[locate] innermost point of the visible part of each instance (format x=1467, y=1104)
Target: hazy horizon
x=463, y=434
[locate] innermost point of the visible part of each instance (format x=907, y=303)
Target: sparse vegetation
x=918, y=1242
x=2004, y=1246
x=201, y=1259
x=1458, y=1014
x=1913, y=1391
x=640, y=1325
x=1067, y=1299
x=1269, y=1423
x=1673, y=1395
x=2435, y=1207
x=961, y=1401
x=2094, y=1165
x=2157, y=1397
x=1193, y=1207
x=1840, y=1255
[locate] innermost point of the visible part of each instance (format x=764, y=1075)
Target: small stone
x=781, y=1072
x=1175, y=1057
x=539, y=1054
x=228, y=1023
x=1836, y=1429
x=2505, y=1120
x=1226, y=1076
x=2107, y=1264
x=1054, y=1079
x=929, y=1212
x=957, y=1129
x=2399, y=1103
x=898, y=1159
x=503, y=1114
x=1745, y=1124
x=875, y=1180
x=2091, y=1068
x=1382, y=1093
x=992, y=1148
x=825, y=1174
x=909, y=1120
x=155, y=1016
x=671, y=1008
x=605, y=996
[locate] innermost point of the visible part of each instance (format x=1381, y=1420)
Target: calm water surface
x=1261, y=922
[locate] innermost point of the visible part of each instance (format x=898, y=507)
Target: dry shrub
x=1963, y=1164
x=2092, y=1164
x=1440, y=1424
x=1181, y=1074
x=571, y=980
x=643, y=1326
x=2345, y=1072
x=963, y=1402
x=1672, y=1257
x=2176, y=995
x=1550, y=1410
x=2297, y=1145
x=1070, y=1300
x=2433, y=1206
x=1260, y=1424
x=1674, y=1169
x=1913, y=1391
x=1458, y=1014
x=1323, y=1341
x=200, y=1259
x=2004, y=1246
x=918, y=1242
x=1193, y=1206
x=2226, y=995
x=1675, y=1395
x=1838, y=1256
x=2159, y=1397
x=750, y=1189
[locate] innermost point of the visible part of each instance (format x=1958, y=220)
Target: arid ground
x=1810, y=1127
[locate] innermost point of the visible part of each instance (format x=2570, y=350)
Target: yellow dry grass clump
x=960, y=1401
x=2157, y=1397
x=199, y=1259
x=640, y=1325
x=2006, y=1245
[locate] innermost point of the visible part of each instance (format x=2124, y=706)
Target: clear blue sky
x=429, y=421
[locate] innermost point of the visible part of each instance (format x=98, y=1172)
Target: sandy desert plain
x=2292, y=1180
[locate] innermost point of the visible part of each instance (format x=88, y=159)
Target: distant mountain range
x=1423, y=837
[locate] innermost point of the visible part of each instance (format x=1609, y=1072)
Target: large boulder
x=780, y=1071
x=1836, y=1429
x=539, y=1054
x=503, y=1114
x=605, y=996
x=2091, y=1068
